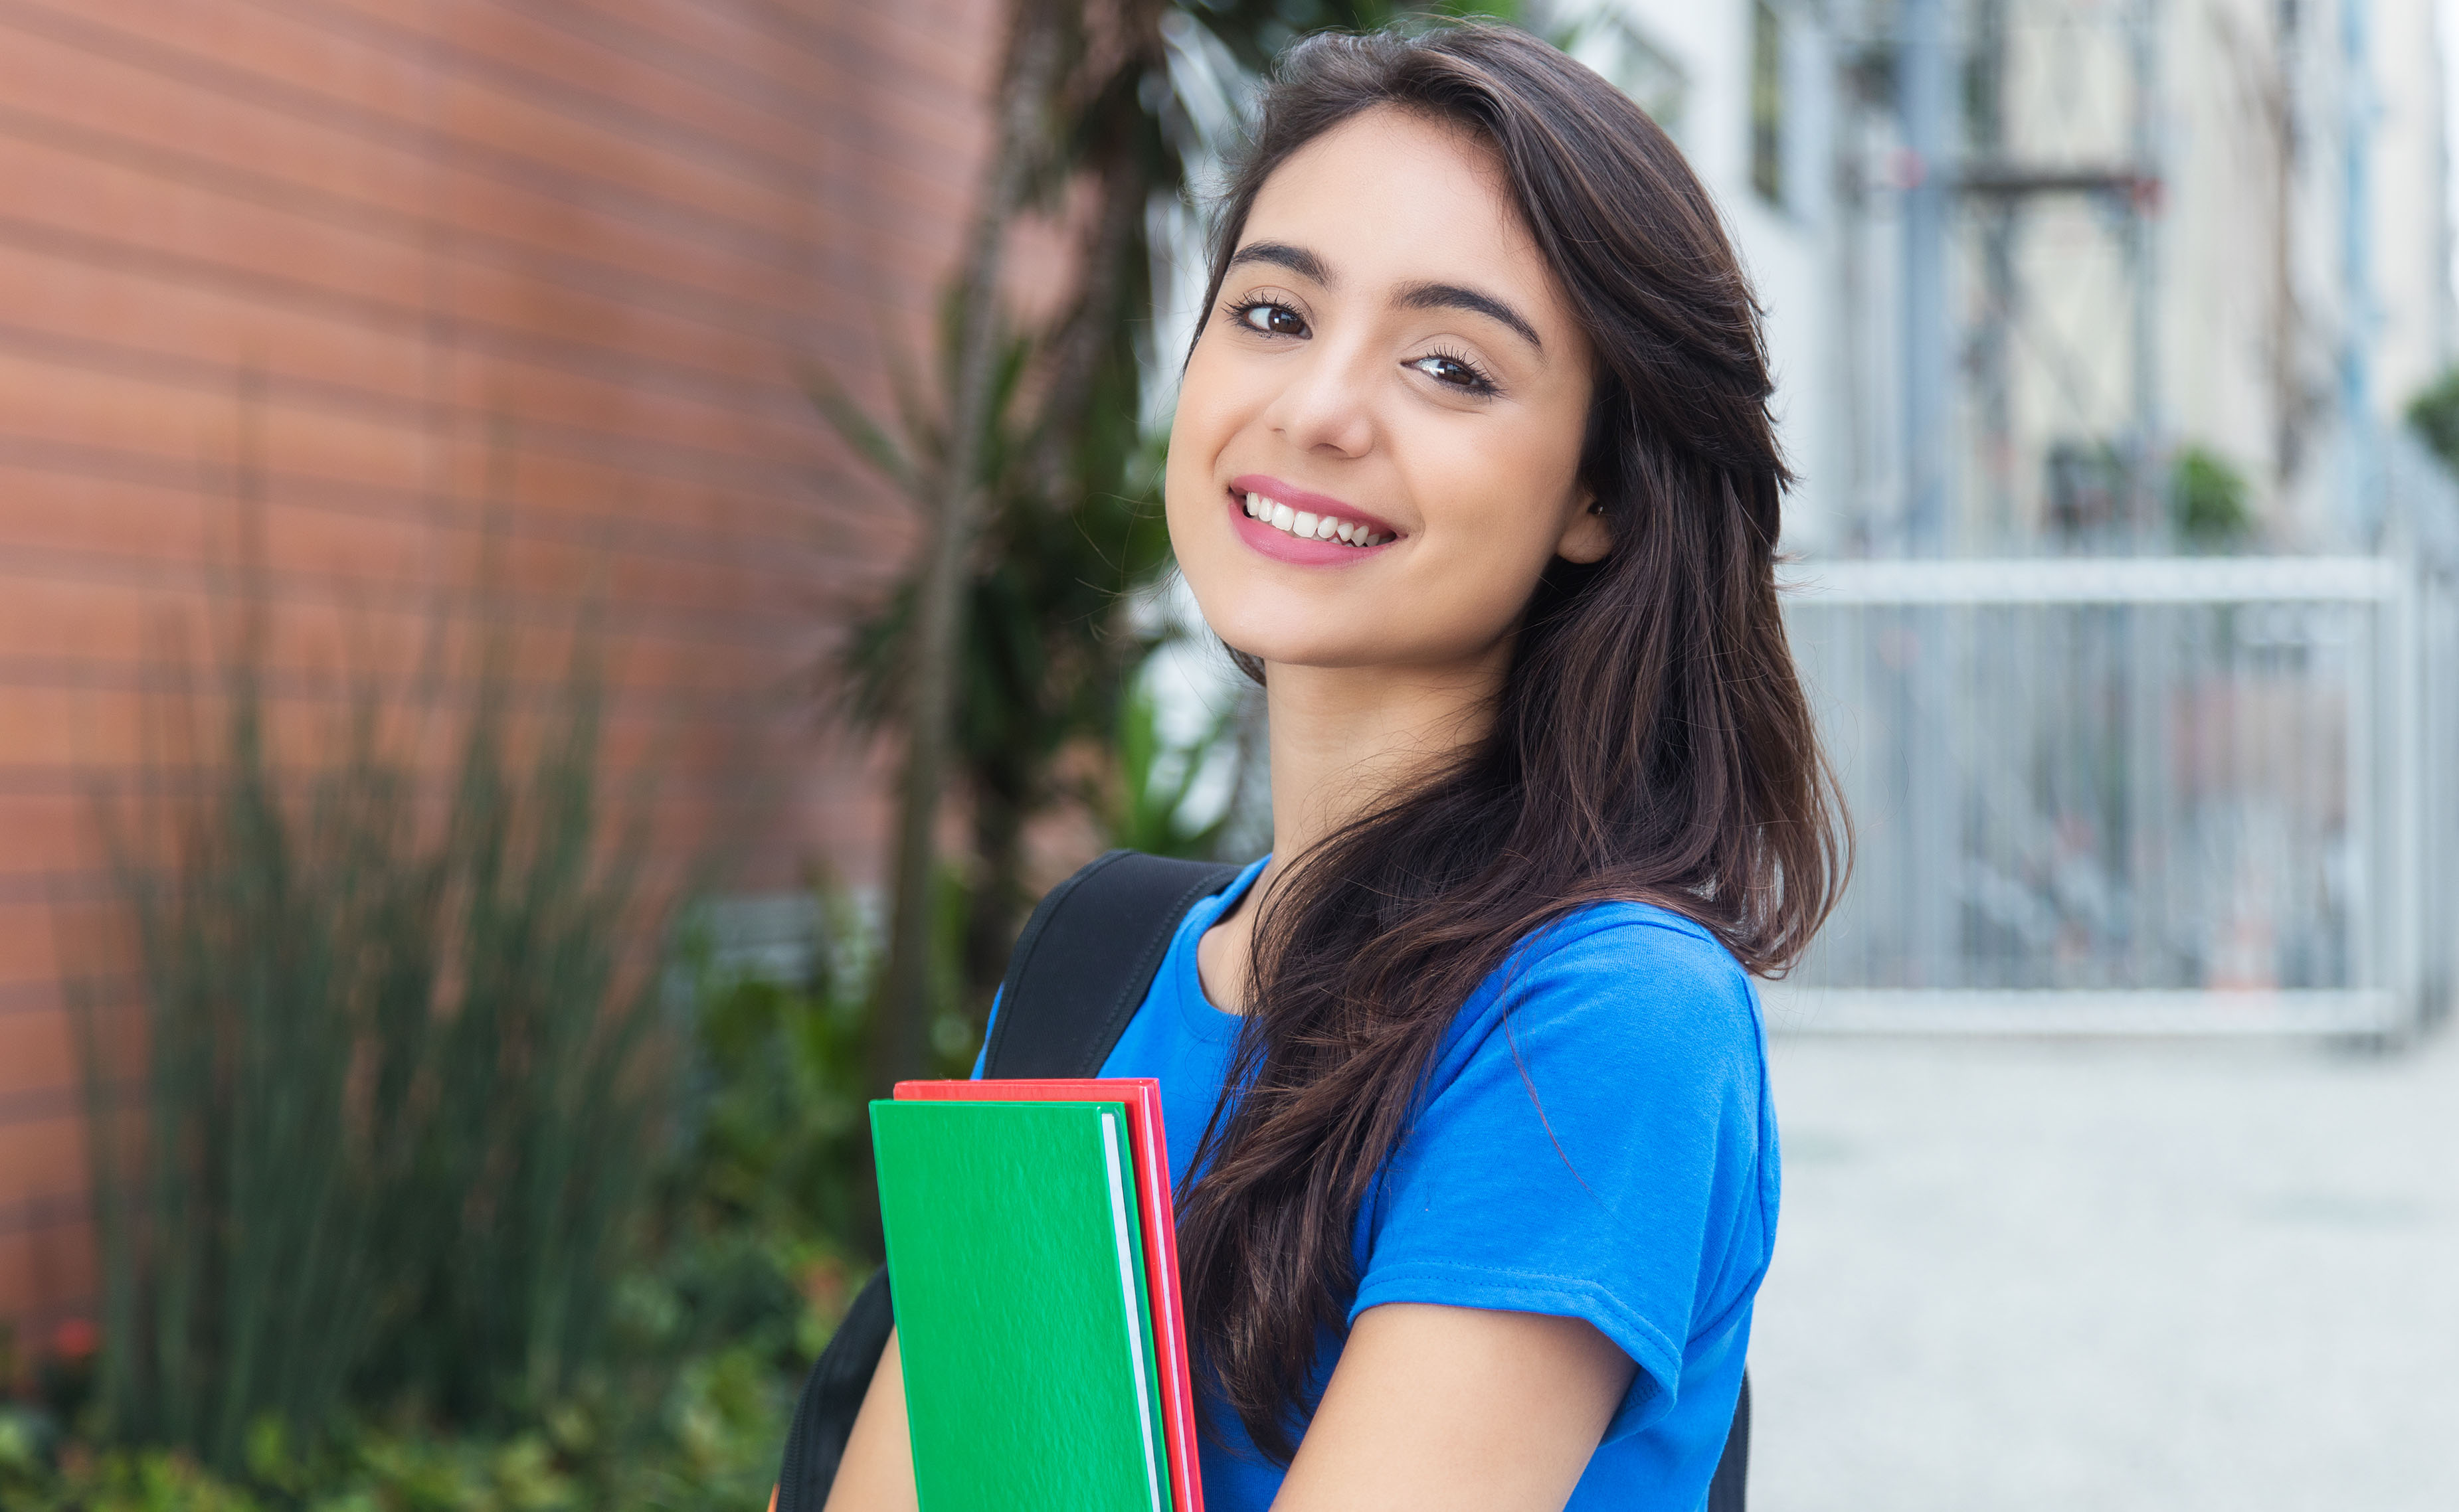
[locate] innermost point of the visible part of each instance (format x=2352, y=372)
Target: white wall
x=1789, y=248
x=2229, y=378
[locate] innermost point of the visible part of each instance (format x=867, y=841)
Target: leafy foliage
x=1156, y=781
x=2207, y=501
x=777, y=1104
x=1044, y=659
x=742, y=1262
x=1044, y=652
x=394, y=1108
x=2434, y=416
x=711, y=1446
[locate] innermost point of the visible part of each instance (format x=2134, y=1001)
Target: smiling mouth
x=1305, y=526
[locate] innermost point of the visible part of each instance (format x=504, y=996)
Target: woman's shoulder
x=1635, y=947
x=1631, y=926
x=1627, y=975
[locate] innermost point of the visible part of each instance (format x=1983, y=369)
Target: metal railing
x=2152, y=795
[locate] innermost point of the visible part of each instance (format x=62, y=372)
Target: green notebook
x=1014, y=1261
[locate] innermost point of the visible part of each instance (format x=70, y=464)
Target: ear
x=1587, y=538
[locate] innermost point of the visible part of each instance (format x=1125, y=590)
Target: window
x=1767, y=101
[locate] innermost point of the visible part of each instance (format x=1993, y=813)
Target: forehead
x=1390, y=196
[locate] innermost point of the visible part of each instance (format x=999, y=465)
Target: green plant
x=2208, y=504
x=771, y=1166
x=392, y=1108
x=26, y=1448
x=1044, y=652
x=776, y=1118
x=1156, y=779
x=354, y=1471
x=2433, y=415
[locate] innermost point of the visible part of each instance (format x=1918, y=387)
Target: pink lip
x=1281, y=545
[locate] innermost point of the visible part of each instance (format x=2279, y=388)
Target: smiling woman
x=1388, y=347
x=1472, y=467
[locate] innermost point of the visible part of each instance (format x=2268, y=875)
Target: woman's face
x=1391, y=377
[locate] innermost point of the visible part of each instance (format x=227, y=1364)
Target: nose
x=1327, y=403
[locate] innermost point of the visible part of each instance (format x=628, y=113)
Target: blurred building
x=1748, y=89
x=415, y=288
x=2150, y=285
x=2130, y=250
x=2161, y=229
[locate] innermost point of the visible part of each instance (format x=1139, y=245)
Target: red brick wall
x=562, y=254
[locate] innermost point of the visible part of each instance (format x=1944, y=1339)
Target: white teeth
x=1307, y=525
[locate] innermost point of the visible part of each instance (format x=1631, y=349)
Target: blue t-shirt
x=1596, y=1141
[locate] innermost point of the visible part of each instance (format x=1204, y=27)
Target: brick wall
x=555, y=259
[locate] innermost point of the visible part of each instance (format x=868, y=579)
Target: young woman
x=1472, y=466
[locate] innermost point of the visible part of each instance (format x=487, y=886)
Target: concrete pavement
x=2020, y=1276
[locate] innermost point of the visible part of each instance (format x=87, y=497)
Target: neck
x=1344, y=738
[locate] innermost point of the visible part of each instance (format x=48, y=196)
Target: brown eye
x=1452, y=372
x=1270, y=319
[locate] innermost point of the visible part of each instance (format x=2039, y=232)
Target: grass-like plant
x=378, y=1128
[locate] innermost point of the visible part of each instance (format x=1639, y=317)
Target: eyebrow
x=1415, y=295
x=1451, y=296
x=1280, y=253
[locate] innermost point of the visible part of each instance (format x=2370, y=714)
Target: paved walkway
x=2024, y=1275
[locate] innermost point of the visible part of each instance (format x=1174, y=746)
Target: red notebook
x=1147, y=1144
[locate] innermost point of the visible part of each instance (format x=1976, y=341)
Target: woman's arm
x=1434, y=1408
x=877, y=1474
x=1430, y=1408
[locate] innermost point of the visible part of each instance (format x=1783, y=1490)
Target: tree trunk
x=998, y=903
x=1110, y=241
x=902, y=1024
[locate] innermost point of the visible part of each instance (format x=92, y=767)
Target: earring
x=1597, y=507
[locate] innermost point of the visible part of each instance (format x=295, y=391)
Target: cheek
x=1504, y=494
x=1207, y=413
x=1185, y=476
x=1496, y=504
x=1208, y=388
x=1199, y=428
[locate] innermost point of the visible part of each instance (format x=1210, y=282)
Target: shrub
x=2433, y=415
x=391, y=1109
x=2207, y=501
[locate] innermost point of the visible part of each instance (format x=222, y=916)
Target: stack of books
x=1033, y=1259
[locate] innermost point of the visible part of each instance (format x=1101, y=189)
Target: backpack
x=1077, y=974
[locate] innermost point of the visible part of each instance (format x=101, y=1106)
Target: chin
x=1327, y=647
x=1290, y=646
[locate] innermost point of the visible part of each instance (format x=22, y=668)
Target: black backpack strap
x=1087, y=958
x=1077, y=972
x=832, y=1396
x=1726, y=1492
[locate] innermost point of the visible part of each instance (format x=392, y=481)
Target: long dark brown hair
x=1651, y=740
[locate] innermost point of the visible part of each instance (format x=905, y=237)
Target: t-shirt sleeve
x=1590, y=1148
